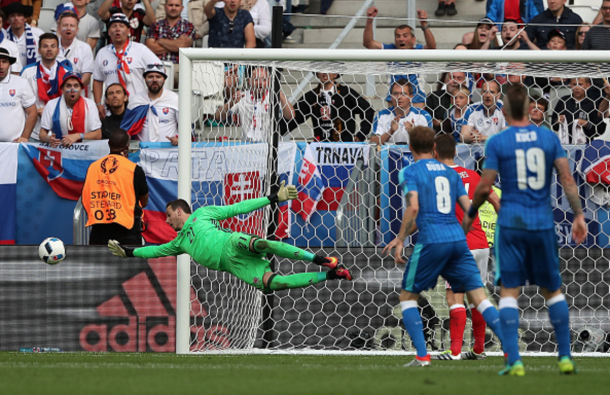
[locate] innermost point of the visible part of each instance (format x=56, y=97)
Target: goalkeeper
x=201, y=236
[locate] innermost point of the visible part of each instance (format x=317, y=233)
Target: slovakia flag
x=311, y=186
x=8, y=191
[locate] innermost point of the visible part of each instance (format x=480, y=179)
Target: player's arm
x=284, y=193
x=168, y=249
x=406, y=228
x=494, y=200
x=481, y=194
x=579, y=228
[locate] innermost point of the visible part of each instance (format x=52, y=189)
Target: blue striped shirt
x=524, y=157
x=438, y=187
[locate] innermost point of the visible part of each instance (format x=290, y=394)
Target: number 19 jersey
x=438, y=187
x=524, y=157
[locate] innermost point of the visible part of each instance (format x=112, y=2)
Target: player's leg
x=481, y=257
x=457, y=325
x=276, y=282
x=421, y=273
x=261, y=246
x=545, y=265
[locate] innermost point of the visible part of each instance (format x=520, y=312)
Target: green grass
x=118, y=373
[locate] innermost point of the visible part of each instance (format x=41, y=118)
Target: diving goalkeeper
x=201, y=236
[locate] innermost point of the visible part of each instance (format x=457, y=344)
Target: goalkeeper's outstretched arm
x=167, y=249
x=284, y=193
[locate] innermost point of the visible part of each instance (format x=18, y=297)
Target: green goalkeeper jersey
x=202, y=237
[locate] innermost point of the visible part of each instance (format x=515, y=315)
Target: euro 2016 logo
x=109, y=165
x=105, y=63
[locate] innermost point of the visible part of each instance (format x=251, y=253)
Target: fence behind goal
x=360, y=207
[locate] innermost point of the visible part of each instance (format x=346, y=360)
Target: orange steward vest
x=109, y=195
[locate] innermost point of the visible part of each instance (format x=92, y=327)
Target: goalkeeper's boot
x=516, y=369
x=340, y=272
x=418, y=361
x=330, y=262
x=471, y=355
x=447, y=356
x=566, y=365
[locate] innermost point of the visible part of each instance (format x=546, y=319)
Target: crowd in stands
x=100, y=67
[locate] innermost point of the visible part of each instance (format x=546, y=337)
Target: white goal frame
x=188, y=55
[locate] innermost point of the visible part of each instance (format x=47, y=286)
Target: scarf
x=30, y=43
x=578, y=134
x=48, y=85
x=122, y=65
x=65, y=124
x=141, y=109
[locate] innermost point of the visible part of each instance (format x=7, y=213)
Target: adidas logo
x=142, y=317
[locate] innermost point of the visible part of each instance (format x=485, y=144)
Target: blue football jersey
x=524, y=157
x=438, y=187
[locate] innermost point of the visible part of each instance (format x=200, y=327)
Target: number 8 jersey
x=524, y=157
x=438, y=187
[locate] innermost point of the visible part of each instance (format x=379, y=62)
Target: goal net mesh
x=349, y=205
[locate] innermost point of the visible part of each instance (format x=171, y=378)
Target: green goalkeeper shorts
x=244, y=264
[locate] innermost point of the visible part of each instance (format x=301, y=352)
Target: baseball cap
x=155, y=68
x=485, y=21
x=72, y=74
x=556, y=33
x=120, y=18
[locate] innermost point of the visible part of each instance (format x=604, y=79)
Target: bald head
x=118, y=141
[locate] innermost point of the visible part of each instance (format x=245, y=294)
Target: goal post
x=331, y=318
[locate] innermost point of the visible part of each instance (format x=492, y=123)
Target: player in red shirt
x=477, y=243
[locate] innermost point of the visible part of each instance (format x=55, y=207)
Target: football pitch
x=149, y=373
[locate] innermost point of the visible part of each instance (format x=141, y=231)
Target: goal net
x=265, y=116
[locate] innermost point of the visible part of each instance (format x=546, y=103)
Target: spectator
x=481, y=35
x=446, y=7
x=404, y=38
x=157, y=108
x=486, y=118
x=557, y=16
x=167, y=36
x=254, y=108
x=195, y=15
x=137, y=16
x=521, y=11
x=122, y=61
x=261, y=16
x=513, y=37
x=439, y=101
x=10, y=46
x=576, y=118
x=230, y=26
x=598, y=37
x=71, y=117
x=124, y=188
x=332, y=108
x=116, y=103
x=88, y=27
x=556, y=41
x=459, y=113
x=581, y=32
x=393, y=124
x=18, y=103
x=46, y=75
x=537, y=111
x=21, y=33
x=71, y=48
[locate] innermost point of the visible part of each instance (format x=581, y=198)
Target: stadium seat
x=208, y=82
x=46, y=19
x=169, y=69
x=586, y=12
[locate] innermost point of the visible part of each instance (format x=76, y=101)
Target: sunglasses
x=231, y=26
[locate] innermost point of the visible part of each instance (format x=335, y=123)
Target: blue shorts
x=527, y=256
x=453, y=261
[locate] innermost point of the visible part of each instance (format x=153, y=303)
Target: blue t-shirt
x=223, y=35
x=524, y=157
x=418, y=95
x=456, y=124
x=438, y=187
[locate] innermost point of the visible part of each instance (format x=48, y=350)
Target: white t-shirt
x=93, y=120
x=79, y=54
x=255, y=117
x=15, y=96
x=88, y=26
x=12, y=49
x=384, y=118
x=21, y=45
x=487, y=125
x=168, y=119
x=137, y=57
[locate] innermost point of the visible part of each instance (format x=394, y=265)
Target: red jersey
x=476, y=238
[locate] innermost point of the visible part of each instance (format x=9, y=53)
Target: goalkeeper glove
x=119, y=250
x=286, y=192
